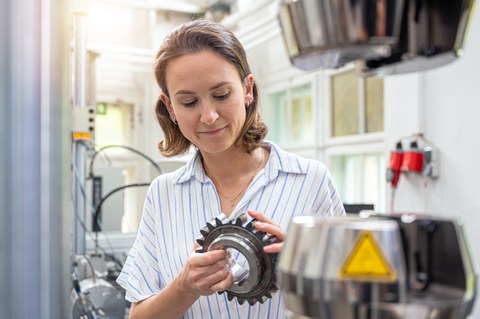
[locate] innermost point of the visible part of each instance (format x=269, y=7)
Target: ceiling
x=185, y=6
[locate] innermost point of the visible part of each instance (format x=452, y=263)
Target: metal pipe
x=80, y=59
x=34, y=64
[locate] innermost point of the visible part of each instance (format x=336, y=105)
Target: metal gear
x=258, y=282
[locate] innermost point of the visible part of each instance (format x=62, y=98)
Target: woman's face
x=207, y=98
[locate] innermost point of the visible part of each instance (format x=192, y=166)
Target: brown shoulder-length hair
x=192, y=37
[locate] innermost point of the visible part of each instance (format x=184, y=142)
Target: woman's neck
x=233, y=164
x=232, y=173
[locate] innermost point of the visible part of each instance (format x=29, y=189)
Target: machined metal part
x=383, y=37
x=255, y=279
x=98, y=299
x=377, y=266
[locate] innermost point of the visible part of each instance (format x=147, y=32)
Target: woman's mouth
x=212, y=131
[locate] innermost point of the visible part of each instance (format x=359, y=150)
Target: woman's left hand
x=265, y=224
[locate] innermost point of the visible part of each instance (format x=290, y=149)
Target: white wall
x=444, y=104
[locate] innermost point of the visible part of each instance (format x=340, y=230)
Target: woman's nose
x=209, y=114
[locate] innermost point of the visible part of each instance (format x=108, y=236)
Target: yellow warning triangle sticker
x=366, y=261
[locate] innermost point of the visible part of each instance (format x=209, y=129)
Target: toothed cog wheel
x=258, y=282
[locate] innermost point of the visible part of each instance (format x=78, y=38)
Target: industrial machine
x=376, y=266
x=383, y=36
x=95, y=293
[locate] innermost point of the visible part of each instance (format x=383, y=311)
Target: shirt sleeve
x=141, y=276
x=336, y=208
x=328, y=202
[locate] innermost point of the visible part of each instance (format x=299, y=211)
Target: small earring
x=173, y=119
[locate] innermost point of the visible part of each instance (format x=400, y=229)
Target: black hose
x=97, y=212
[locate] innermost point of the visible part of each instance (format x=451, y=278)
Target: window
x=357, y=104
x=360, y=178
x=113, y=124
x=341, y=125
x=354, y=139
x=290, y=116
x=345, y=104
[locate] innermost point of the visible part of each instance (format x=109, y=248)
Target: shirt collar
x=278, y=161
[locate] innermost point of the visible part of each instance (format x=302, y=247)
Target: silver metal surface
x=328, y=34
x=252, y=268
x=433, y=34
x=34, y=159
x=383, y=36
x=330, y=268
x=107, y=301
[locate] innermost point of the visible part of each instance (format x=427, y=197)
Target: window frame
x=361, y=144
x=362, y=136
x=287, y=85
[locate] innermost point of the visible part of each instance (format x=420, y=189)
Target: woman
x=209, y=99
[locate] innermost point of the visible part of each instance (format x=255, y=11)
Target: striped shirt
x=180, y=203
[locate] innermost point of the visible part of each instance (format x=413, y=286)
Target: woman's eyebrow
x=216, y=86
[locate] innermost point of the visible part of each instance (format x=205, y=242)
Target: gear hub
x=256, y=283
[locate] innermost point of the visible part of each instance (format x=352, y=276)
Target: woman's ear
x=167, y=103
x=249, y=82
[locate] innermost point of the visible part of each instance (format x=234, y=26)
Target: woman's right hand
x=203, y=274
x=206, y=273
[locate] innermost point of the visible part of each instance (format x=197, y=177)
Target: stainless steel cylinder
x=329, y=34
x=404, y=266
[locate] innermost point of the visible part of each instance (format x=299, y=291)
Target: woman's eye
x=189, y=103
x=222, y=96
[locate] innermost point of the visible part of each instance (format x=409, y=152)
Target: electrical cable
x=392, y=199
x=79, y=220
x=97, y=211
x=127, y=148
x=75, y=180
x=84, y=257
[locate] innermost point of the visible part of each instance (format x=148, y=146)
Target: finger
x=273, y=230
x=260, y=217
x=195, y=247
x=273, y=248
x=208, y=258
x=223, y=284
x=212, y=281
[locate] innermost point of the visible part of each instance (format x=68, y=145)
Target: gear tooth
x=263, y=299
x=218, y=221
x=241, y=300
x=259, y=234
x=229, y=297
x=270, y=240
x=249, y=226
x=251, y=301
x=204, y=232
x=268, y=294
x=238, y=222
x=210, y=226
x=273, y=287
x=200, y=241
x=220, y=292
x=199, y=250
